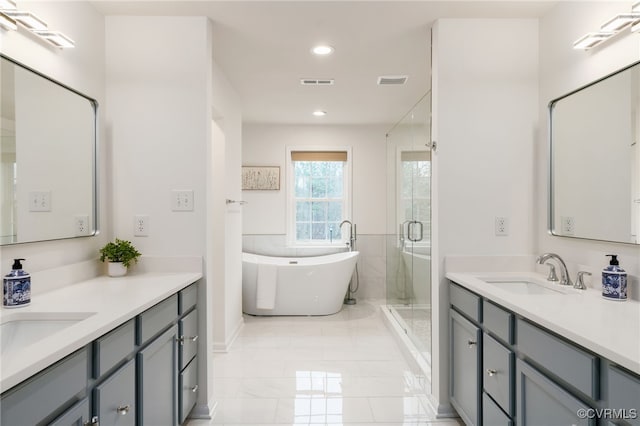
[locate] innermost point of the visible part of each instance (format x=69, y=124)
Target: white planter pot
x=116, y=269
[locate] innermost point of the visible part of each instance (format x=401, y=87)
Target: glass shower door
x=409, y=225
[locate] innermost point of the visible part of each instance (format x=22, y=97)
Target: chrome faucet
x=352, y=234
x=565, y=279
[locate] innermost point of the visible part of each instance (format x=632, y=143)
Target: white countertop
x=610, y=329
x=112, y=301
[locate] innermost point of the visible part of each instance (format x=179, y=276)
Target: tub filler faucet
x=352, y=234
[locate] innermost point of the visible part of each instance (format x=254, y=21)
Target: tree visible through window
x=318, y=196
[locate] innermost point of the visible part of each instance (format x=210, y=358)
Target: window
x=319, y=184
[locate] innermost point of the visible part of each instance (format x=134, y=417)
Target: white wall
x=81, y=68
x=563, y=69
x=162, y=103
x=485, y=122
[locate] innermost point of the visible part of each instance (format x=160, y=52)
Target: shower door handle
x=411, y=233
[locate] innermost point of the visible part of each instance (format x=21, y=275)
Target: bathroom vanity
x=541, y=357
x=130, y=356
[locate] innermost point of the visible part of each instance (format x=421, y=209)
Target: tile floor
x=339, y=369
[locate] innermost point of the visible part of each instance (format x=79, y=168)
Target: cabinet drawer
x=492, y=415
x=498, y=321
x=188, y=389
x=466, y=302
x=188, y=338
x=573, y=365
x=188, y=298
x=32, y=401
x=542, y=402
x=624, y=393
x=115, y=398
x=157, y=318
x=113, y=348
x=498, y=373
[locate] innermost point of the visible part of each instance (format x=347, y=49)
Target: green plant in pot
x=120, y=254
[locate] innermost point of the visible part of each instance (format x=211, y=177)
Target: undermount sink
x=20, y=329
x=527, y=286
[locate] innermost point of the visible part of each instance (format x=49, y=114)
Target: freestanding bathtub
x=295, y=285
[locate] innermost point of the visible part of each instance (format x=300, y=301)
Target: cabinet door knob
x=123, y=410
x=491, y=372
x=471, y=343
x=194, y=389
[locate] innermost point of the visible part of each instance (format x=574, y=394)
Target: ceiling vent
x=317, y=81
x=392, y=80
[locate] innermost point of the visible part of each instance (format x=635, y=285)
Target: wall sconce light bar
x=7, y=5
x=591, y=40
x=636, y=7
x=28, y=19
x=56, y=38
x=620, y=22
x=7, y=23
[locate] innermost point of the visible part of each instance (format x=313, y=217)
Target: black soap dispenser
x=614, y=280
x=16, y=287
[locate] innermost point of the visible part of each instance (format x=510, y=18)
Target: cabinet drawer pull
x=182, y=339
x=194, y=389
x=471, y=343
x=491, y=372
x=123, y=410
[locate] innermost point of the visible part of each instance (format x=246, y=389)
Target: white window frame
x=346, y=205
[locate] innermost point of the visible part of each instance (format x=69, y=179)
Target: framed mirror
x=594, y=183
x=47, y=158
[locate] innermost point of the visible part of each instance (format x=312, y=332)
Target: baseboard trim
x=224, y=347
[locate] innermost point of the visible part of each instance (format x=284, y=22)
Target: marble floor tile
x=341, y=369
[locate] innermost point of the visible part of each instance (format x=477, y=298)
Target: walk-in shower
x=408, y=242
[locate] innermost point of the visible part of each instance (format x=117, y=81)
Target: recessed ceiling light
x=322, y=50
x=319, y=113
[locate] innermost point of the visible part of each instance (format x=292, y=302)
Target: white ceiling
x=264, y=49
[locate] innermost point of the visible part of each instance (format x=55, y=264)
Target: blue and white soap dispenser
x=16, y=287
x=614, y=280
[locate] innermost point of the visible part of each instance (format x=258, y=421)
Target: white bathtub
x=296, y=285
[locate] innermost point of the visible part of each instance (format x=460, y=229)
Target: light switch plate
x=182, y=200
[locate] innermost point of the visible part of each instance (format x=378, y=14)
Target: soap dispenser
x=614, y=280
x=16, y=287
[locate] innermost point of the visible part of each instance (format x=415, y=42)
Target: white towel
x=266, y=286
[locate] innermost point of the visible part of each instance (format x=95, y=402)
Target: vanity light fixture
x=322, y=50
x=28, y=19
x=620, y=22
x=610, y=28
x=319, y=113
x=591, y=40
x=56, y=38
x=7, y=5
x=7, y=23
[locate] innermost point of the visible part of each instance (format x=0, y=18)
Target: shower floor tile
x=343, y=369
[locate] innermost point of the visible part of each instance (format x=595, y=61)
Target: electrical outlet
x=82, y=224
x=502, y=226
x=40, y=201
x=182, y=201
x=568, y=225
x=141, y=225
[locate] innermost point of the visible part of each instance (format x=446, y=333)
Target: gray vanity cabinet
x=188, y=348
x=115, y=398
x=465, y=346
x=157, y=366
x=542, y=402
x=624, y=396
x=78, y=415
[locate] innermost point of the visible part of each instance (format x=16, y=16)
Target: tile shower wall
x=371, y=263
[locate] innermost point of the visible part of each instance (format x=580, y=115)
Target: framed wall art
x=261, y=178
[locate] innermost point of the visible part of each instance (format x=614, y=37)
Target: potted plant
x=120, y=254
